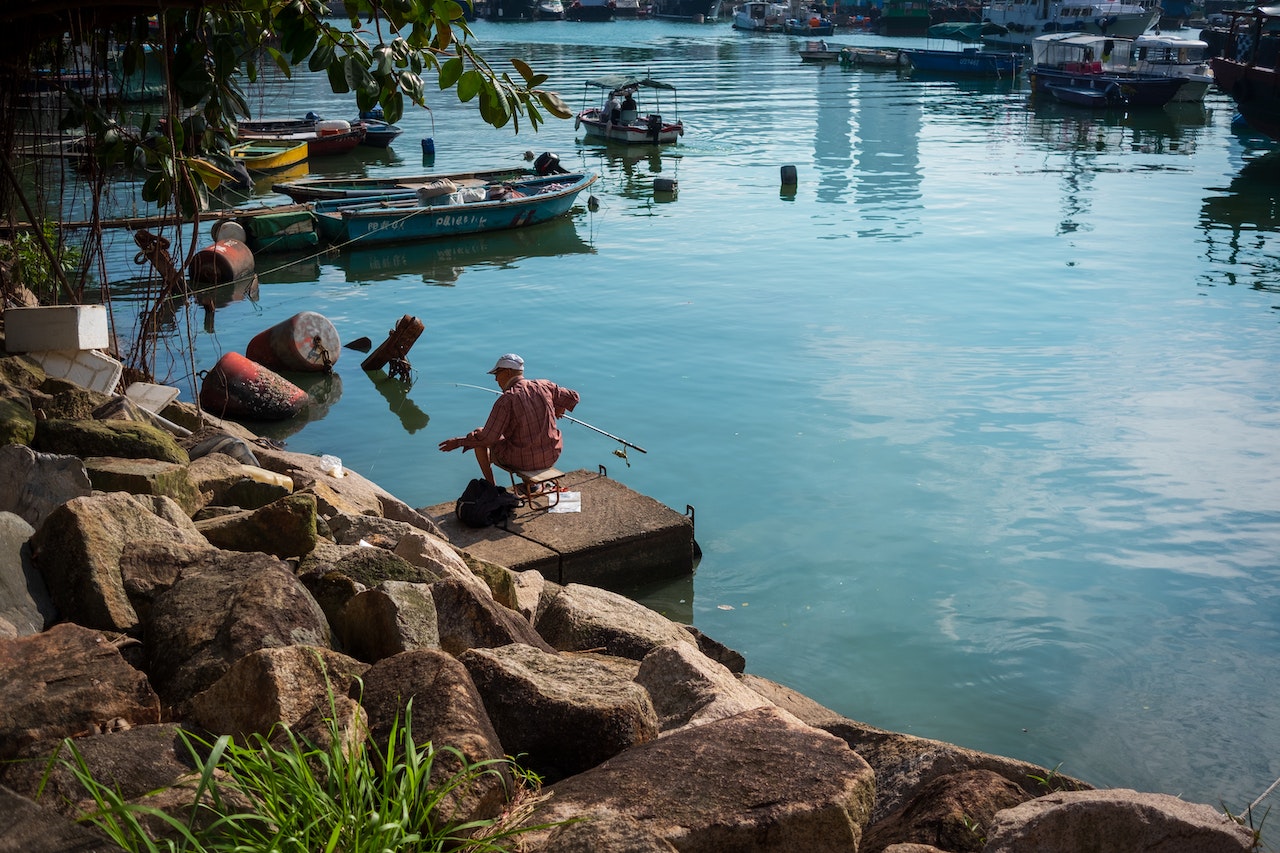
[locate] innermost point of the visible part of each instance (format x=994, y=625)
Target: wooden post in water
x=397, y=344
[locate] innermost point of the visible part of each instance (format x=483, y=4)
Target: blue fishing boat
x=444, y=209
x=963, y=61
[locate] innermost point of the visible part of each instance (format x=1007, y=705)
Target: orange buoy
x=306, y=341
x=224, y=261
x=238, y=387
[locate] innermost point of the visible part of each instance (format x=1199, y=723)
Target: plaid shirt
x=521, y=431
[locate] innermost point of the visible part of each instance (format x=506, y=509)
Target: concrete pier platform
x=620, y=539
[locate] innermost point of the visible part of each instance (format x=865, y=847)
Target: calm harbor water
x=979, y=424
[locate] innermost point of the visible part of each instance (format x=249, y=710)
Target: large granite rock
x=77, y=550
x=432, y=692
x=220, y=609
x=24, y=601
x=32, y=484
x=1115, y=821
x=27, y=827
x=66, y=682
x=144, y=477
x=471, y=620
x=760, y=782
x=133, y=761
x=284, y=528
x=565, y=713
x=273, y=685
x=126, y=439
x=583, y=617
x=690, y=689
x=351, y=494
x=951, y=812
x=393, y=617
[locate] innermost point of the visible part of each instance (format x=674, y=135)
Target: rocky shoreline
x=213, y=582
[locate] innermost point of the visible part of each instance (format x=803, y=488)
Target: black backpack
x=483, y=504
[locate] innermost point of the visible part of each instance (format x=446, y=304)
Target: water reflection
x=444, y=261
x=396, y=393
x=628, y=170
x=886, y=165
x=1174, y=129
x=1237, y=223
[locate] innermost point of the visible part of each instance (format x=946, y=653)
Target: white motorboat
x=760, y=16
x=1173, y=56
x=620, y=119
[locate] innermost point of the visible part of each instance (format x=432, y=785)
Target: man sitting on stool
x=521, y=432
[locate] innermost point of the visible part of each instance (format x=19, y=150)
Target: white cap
x=510, y=361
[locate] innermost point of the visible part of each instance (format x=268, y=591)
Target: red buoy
x=224, y=261
x=238, y=387
x=306, y=341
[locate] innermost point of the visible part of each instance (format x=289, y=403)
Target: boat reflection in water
x=444, y=261
x=1172, y=129
x=1237, y=222
x=628, y=170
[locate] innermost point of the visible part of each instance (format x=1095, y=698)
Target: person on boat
x=611, y=109
x=629, y=110
x=521, y=431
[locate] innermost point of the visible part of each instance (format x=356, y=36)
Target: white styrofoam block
x=87, y=368
x=56, y=327
x=151, y=396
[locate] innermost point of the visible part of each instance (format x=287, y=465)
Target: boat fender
x=577, y=121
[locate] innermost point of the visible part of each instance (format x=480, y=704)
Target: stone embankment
x=150, y=584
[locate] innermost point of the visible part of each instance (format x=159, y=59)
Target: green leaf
x=450, y=72
x=321, y=57
x=411, y=84
x=470, y=84
x=525, y=71
x=393, y=107
x=338, y=79
x=382, y=58
x=358, y=77
x=281, y=62
x=553, y=104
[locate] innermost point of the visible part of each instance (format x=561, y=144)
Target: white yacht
x=1023, y=20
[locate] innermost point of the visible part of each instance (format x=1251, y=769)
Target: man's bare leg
x=486, y=467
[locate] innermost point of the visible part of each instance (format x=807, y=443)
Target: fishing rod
x=566, y=416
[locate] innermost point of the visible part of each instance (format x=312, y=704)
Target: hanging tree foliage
x=385, y=57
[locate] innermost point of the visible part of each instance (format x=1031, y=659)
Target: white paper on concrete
x=569, y=502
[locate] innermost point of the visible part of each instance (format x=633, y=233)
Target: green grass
x=288, y=795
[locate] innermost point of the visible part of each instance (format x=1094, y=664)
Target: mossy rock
x=72, y=404
x=124, y=439
x=17, y=421
x=22, y=371
x=372, y=566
